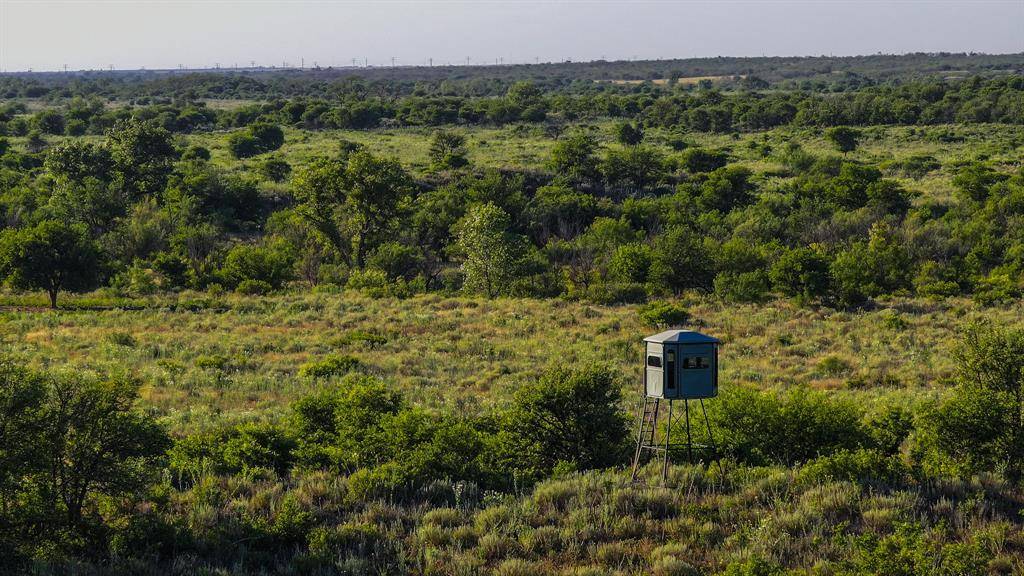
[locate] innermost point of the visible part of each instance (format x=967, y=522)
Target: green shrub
x=916, y=167
x=696, y=160
x=743, y=286
x=753, y=567
x=254, y=287
x=329, y=367
x=122, y=339
x=663, y=314
x=794, y=426
x=271, y=265
x=565, y=416
x=802, y=273
x=617, y=293
x=860, y=466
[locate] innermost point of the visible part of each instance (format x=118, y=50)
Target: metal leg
x=689, y=438
x=668, y=441
x=711, y=438
x=642, y=418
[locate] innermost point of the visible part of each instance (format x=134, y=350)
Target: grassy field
x=204, y=359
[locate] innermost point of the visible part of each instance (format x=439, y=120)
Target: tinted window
x=654, y=361
x=695, y=363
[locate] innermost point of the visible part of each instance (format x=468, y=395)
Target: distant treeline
x=807, y=73
x=999, y=100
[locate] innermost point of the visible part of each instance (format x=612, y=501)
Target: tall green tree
x=491, y=255
x=143, y=154
x=352, y=201
x=50, y=256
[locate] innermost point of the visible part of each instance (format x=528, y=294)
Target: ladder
x=647, y=431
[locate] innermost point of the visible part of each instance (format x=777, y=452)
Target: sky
x=90, y=34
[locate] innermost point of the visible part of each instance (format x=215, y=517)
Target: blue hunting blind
x=681, y=364
x=678, y=365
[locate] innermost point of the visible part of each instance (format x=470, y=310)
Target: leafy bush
x=271, y=265
x=565, y=416
x=979, y=426
x=802, y=273
x=860, y=466
x=329, y=367
x=742, y=286
x=254, y=287
x=617, y=293
x=794, y=426
x=916, y=167
x=662, y=314
x=696, y=160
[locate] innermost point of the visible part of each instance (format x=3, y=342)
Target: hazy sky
x=85, y=34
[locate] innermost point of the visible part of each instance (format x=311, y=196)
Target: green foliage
x=802, y=273
x=332, y=426
x=491, y=254
x=633, y=169
x=574, y=156
x=981, y=424
x=352, y=202
x=974, y=180
x=743, y=286
x=329, y=367
x=70, y=445
x=50, y=256
x=629, y=134
x=447, y=150
x=662, y=314
x=699, y=160
x=275, y=169
x=865, y=270
x=796, y=426
x=143, y=154
x=917, y=166
x=844, y=138
x=681, y=261
x=259, y=138
x=565, y=416
x=271, y=265
x=862, y=466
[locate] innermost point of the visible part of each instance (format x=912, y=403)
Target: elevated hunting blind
x=678, y=365
x=681, y=364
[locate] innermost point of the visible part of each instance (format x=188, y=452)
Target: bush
x=270, y=265
x=916, y=167
x=275, y=169
x=795, y=426
x=259, y=138
x=801, y=273
x=742, y=286
x=663, y=314
x=565, y=416
x=979, y=426
x=697, y=160
x=860, y=466
x=254, y=287
x=617, y=293
x=333, y=428
x=329, y=367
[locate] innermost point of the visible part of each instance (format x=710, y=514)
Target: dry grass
x=469, y=354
